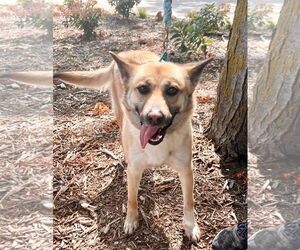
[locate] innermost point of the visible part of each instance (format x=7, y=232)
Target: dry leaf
x=205, y=99
x=100, y=109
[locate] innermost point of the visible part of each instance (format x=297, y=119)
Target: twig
x=224, y=186
x=264, y=186
x=111, y=154
x=13, y=191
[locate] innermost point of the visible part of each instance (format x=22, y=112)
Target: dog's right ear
x=195, y=69
x=126, y=68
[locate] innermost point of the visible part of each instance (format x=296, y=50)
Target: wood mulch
x=89, y=171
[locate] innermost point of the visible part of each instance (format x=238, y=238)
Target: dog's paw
x=193, y=233
x=130, y=225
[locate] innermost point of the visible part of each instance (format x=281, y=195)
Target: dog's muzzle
x=154, y=127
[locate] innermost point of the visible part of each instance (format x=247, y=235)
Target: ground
x=89, y=170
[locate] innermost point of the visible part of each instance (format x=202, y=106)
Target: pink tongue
x=146, y=134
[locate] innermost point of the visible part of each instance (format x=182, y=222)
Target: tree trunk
x=228, y=126
x=274, y=121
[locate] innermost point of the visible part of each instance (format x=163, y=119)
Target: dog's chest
x=174, y=146
x=157, y=155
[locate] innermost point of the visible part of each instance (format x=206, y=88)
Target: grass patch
x=142, y=13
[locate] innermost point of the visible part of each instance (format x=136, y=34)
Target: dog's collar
x=165, y=57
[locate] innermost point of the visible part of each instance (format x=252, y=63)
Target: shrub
x=227, y=26
x=69, y=3
x=224, y=10
x=82, y=15
x=35, y=13
x=142, y=13
x=258, y=18
x=191, y=14
x=208, y=20
x=181, y=35
x=191, y=35
x=186, y=39
x=270, y=25
x=124, y=7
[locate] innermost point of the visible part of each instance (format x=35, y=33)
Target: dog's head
x=158, y=95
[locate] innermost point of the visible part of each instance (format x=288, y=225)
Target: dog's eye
x=172, y=91
x=144, y=89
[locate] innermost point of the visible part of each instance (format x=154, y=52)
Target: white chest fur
x=173, y=146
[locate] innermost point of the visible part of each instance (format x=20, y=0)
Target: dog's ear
x=126, y=68
x=195, y=69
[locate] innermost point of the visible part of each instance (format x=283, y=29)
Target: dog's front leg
x=134, y=175
x=187, y=182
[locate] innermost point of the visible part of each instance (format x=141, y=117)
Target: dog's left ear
x=195, y=69
x=126, y=68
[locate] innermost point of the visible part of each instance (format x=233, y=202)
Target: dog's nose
x=155, y=118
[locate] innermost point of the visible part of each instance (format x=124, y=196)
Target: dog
x=153, y=104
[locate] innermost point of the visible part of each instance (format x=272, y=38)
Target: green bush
x=82, y=15
x=227, y=26
x=223, y=11
x=191, y=35
x=142, y=13
x=258, y=18
x=68, y=3
x=35, y=13
x=181, y=33
x=186, y=39
x=270, y=25
x=124, y=7
x=208, y=20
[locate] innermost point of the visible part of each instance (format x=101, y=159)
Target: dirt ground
x=26, y=122
x=87, y=167
x=89, y=171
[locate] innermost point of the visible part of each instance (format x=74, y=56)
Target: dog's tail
x=88, y=79
x=38, y=78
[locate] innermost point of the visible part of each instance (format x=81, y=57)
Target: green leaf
x=209, y=41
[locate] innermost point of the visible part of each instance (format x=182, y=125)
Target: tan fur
x=39, y=78
x=128, y=71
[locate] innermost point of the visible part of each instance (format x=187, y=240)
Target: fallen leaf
x=100, y=109
x=205, y=99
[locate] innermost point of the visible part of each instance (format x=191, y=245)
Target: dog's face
x=158, y=95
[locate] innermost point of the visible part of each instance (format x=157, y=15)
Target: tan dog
x=153, y=105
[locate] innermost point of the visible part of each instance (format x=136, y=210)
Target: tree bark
x=228, y=126
x=274, y=122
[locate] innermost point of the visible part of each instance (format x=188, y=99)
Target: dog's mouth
x=152, y=134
